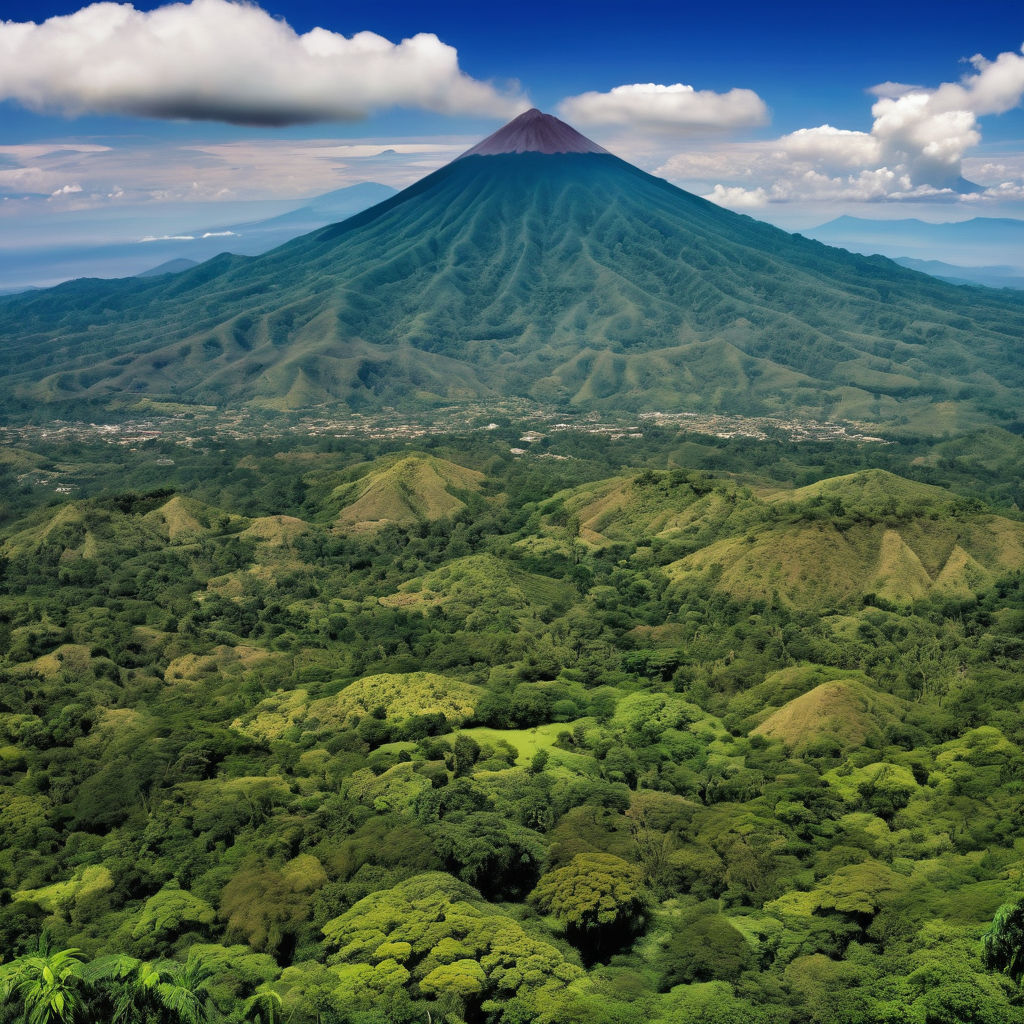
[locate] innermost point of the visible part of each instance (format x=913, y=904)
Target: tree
x=702, y=945
x=436, y=932
x=263, y=1007
x=597, y=897
x=267, y=906
x=466, y=752
x=496, y=856
x=1003, y=944
x=167, y=989
x=45, y=984
x=171, y=912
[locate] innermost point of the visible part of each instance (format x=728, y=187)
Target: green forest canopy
x=586, y=743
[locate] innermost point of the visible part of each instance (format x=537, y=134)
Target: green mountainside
x=573, y=279
x=402, y=735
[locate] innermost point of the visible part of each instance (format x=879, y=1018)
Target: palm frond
x=118, y=966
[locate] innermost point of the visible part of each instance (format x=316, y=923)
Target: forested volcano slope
x=572, y=278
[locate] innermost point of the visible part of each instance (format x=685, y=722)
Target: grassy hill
x=482, y=583
x=868, y=533
x=101, y=530
x=844, y=712
x=411, y=489
x=398, y=698
x=685, y=507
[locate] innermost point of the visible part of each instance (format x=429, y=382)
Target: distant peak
x=534, y=132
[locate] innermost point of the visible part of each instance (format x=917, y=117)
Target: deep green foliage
x=551, y=754
x=1003, y=944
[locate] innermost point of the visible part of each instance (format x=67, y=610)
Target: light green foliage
x=948, y=983
x=171, y=911
x=86, y=893
x=976, y=763
x=889, y=786
x=529, y=742
x=462, y=978
x=491, y=592
x=263, y=1006
x=595, y=1001
x=21, y=818
x=368, y=985
x=439, y=926
x=235, y=972
x=653, y=713
x=594, y=892
x=861, y=889
x=821, y=984
x=393, y=790
x=308, y=993
x=46, y=985
x=712, y=1002
x=397, y=696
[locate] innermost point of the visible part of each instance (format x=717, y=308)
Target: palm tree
x=173, y=990
x=263, y=1006
x=184, y=991
x=44, y=983
x=1003, y=944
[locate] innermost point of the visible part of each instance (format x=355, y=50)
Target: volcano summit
x=537, y=265
x=534, y=132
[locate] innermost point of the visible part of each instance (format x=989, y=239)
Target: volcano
x=536, y=265
x=534, y=132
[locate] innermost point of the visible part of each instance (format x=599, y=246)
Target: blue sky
x=762, y=107
x=811, y=62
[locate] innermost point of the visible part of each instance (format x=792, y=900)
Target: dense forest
x=670, y=730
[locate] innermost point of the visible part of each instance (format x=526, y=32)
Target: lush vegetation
x=339, y=733
x=574, y=280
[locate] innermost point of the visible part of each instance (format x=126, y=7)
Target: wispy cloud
x=216, y=60
x=138, y=172
x=676, y=108
x=189, y=238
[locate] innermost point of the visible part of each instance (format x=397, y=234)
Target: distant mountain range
x=175, y=266
x=990, y=277
x=536, y=266
x=961, y=251
x=24, y=267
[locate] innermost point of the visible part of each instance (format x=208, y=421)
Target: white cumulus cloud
x=667, y=107
x=918, y=148
x=217, y=60
x=830, y=147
